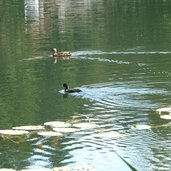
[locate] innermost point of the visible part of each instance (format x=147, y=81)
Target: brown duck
x=55, y=53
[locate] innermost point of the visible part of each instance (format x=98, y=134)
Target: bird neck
x=65, y=88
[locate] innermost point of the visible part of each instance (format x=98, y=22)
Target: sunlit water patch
x=116, y=109
x=45, y=149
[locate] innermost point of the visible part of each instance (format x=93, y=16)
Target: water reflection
x=34, y=18
x=32, y=10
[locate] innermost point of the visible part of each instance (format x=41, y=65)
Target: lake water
x=121, y=60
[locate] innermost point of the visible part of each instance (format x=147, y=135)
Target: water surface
x=121, y=57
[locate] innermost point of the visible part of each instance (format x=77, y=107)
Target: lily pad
x=13, y=132
x=149, y=127
x=168, y=117
x=164, y=110
x=65, y=130
x=29, y=128
x=85, y=125
x=50, y=134
x=141, y=127
x=57, y=124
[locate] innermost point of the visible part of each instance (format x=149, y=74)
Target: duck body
x=55, y=53
x=67, y=90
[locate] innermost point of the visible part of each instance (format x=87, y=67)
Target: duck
x=55, y=53
x=67, y=90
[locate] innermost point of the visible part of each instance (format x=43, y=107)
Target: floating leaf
x=163, y=125
x=85, y=125
x=57, y=124
x=49, y=134
x=75, y=116
x=168, y=117
x=149, y=127
x=13, y=132
x=65, y=130
x=141, y=127
x=164, y=110
x=29, y=128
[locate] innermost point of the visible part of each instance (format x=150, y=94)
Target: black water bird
x=67, y=90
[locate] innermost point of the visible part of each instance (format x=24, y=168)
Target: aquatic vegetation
x=49, y=134
x=141, y=127
x=164, y=113
x=85, y=125
x=65, y=130
x=164, y=110
x=57, y=124
x=13, y=132
x=59, y=129
x=168, y=117
x=50, y=129
x=16, y=136
x=29, y=128
x=149, y=126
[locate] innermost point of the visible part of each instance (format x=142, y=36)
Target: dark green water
x=121, y=57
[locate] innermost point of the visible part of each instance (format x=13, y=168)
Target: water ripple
x=98, y=52
x=106, y=60
x=112, y=98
